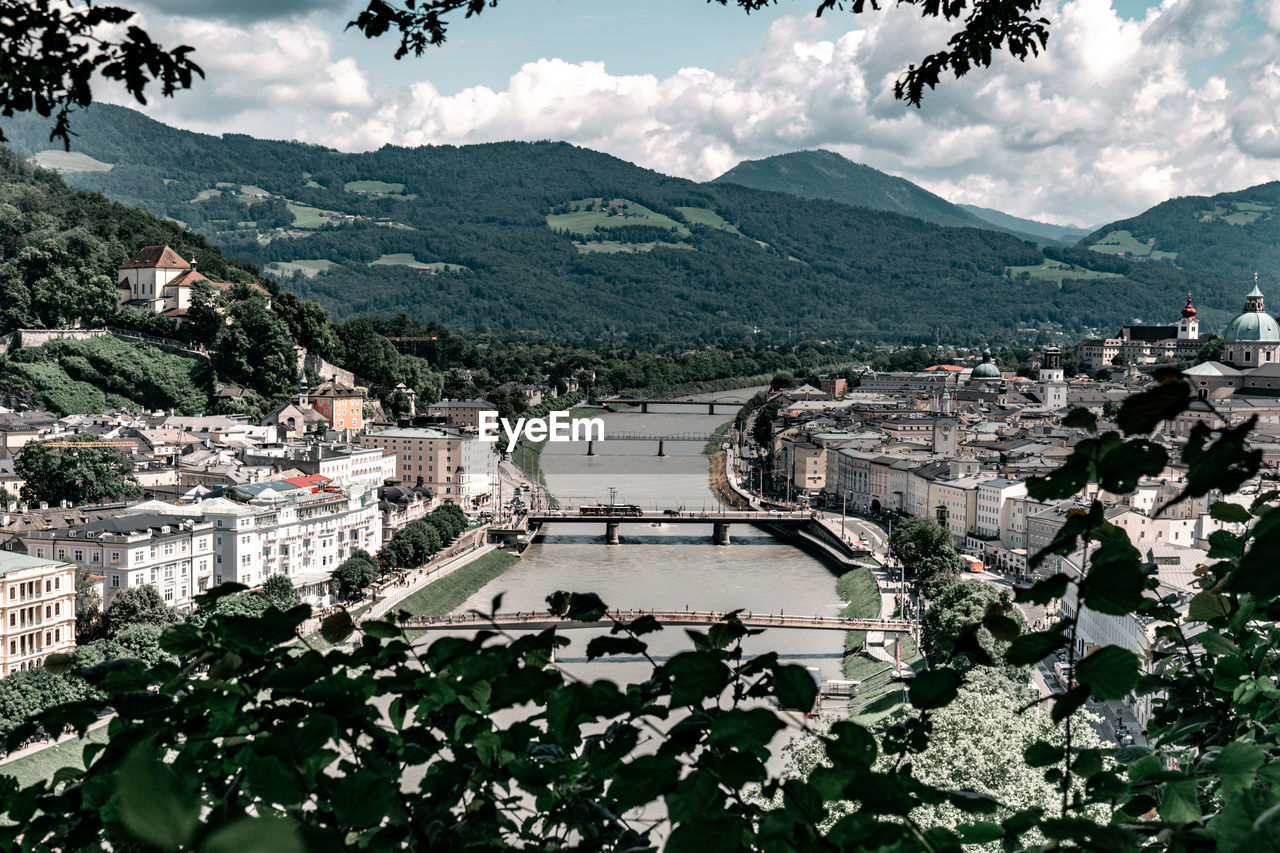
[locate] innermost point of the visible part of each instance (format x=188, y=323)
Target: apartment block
x=37, y=610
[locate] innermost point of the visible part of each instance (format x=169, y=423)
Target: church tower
x=1188, y=325
x=1052, y=386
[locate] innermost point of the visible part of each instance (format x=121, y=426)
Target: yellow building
x=341, y=405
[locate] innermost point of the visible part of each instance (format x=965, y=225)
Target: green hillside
x=1043, y=230
x=1232, y=234
x=827, y=175
x=711, y=262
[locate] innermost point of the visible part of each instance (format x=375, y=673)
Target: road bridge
x=542, y=620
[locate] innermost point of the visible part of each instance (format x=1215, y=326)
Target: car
x=775, y=512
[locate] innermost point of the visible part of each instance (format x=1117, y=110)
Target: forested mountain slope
x=1233, y=233
x=827, y=175
x=548, y=237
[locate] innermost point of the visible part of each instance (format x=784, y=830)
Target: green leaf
x=1180, y=803
x=1207, y=606
x=1230, y=513
x=1257, y=573
x=1120, y=469
x=1110, y=672
x=1066, y=704
x=1001, y=626
x=745, y=729
x=1031, y=648
x=644, y=780
x=980, y=833
x=380, y=629
x=973, y=802
x=155, y=805
x=1237, y=763
x=1079, y=417
x=337, y=627
x=364, y=798
x=605, y=645
x=1216, y=643
x=707, y=835
x=255, y=835
x=1043, y=591
x=1042, y=754
x=794, y=687
x=1142, y=413
x=934, y=688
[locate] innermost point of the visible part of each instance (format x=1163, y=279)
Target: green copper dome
x=986, y=370
x=1255, y=324
x=1252, y=326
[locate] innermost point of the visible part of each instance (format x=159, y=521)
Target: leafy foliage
x=79, y=475
x=353, y=576
x=926, y=549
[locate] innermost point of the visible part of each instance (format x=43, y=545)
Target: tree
x=353, y=576
x=90, y=620
x=50, y=53
x=280, y=592
x=781, y=381
x=137, y=605
x=926, y=549
x=1211, y=350
x=81, y=475
x=957, y=609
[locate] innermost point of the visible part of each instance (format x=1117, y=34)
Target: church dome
x=1189, y=311
x=986, y=370
x=1255, y=324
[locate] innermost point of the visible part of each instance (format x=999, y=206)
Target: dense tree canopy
x=79, y=475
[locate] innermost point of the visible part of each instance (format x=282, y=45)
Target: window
x=57, y=609
x=115, y=580
x=13, y=620
x=115, y=558
x=168, y=595
x=57, y=635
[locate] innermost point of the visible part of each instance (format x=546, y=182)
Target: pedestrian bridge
x=542, y=620
x=719, y=521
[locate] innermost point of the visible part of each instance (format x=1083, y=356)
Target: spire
x=1189, y=311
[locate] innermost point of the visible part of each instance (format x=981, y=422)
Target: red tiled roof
x=224, y=285
x=949, y=367
x=186, y=278
x=156, y=257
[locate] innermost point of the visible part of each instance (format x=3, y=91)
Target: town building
x=458, y=468
x=37, y=610
x=461, y=414
x=159, y=280
x=1146, y=344
x=136, y=547
x=341, y=405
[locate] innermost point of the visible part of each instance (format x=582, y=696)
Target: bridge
x=719, y=521
x=541, y=620
x=703, y=437
x=644, y=402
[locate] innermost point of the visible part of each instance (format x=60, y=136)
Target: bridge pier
x=611, y=533
x=591, y=447
x=644, y=408
x=711, y=408
x=662, y=450
x=720, y=533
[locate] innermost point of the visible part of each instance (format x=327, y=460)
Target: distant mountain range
x=552, y=238
x=827, y=175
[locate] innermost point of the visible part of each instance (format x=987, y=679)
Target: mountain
x=1231, y=233
x=827, y=175
x=554, y=239
x=1041, y=230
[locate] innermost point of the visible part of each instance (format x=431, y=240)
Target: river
x=666, y=567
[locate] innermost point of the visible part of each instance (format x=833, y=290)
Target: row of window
x=28, y=643
x=27, y=588
x=31, y=614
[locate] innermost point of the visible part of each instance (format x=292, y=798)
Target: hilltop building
x=1250, y=365
x=159, y=280
x=1147, y=344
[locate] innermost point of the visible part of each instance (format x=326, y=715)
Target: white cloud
x=1106, y=123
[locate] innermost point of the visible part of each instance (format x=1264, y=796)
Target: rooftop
x=10, y=562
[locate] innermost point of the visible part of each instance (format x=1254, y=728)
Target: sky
x=1133, y=102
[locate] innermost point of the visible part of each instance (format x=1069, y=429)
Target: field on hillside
x=309, y=268
x=587, y=213
x=1058, y=271
x=309, y=217
x=1122, y=241
x=70, y=161
x=707, y=216
x=406, y=259
x=373, y=187
x=609, y=247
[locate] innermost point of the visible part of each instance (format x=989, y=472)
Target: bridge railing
x=709, y=617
